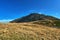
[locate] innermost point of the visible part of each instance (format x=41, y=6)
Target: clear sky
x=11, y=9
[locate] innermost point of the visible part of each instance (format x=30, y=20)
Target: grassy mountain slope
x=40, y=18
x=34, y=17
x=28, y=31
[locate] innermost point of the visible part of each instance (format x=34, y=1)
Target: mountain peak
x=38, y=18
x=33, y=17
x=34, y=14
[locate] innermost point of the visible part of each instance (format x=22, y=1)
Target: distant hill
x=39, y=19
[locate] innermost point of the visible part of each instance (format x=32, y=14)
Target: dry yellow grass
x=28, y=31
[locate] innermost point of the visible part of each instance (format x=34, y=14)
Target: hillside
x=28, y=31
x=34, y=17
x=40, y=18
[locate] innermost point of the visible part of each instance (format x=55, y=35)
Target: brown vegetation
x=28, y=31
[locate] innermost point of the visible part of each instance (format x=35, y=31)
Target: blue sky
x=11, y=9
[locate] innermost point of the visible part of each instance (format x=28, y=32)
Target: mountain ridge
x=34, y=17
x=40, y=18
